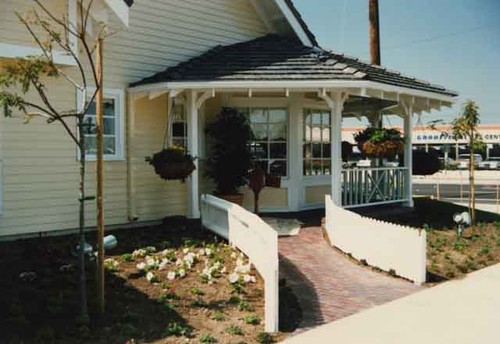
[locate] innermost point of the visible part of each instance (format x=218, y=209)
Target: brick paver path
x=328, y=285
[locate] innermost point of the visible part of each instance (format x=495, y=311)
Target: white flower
x=208, y=252
x=178, y=262
x=151, y=263
x=163, y=264
x=165, y=252
x=239, y=262
x=233, y=255
x=242, y=269
x=171, y=275
x=151, y=277
x=181, y=273
x=233, y=278
x=223, y=270
x=248, y=278
x=141, y=266
x=140, y=253
x=185, y=251
x=201, y=252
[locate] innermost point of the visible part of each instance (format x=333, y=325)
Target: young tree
x=465, y=126
x=52, y=32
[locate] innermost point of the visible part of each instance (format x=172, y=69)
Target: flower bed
x=163, y=285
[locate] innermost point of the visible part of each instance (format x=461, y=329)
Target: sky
x=453, y=43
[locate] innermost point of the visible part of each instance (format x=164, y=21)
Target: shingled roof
x=273, y=58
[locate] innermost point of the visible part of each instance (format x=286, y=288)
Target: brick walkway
x=328, y=285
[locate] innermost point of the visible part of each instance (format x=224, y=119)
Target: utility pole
x=374, y=32
x=100, y=177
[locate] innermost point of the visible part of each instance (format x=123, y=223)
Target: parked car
x=463, y=161
x=490, y=164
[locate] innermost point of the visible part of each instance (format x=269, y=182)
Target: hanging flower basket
x=380, y=142
x=172, y=163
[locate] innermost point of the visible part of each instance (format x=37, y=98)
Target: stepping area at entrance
x=329, y=285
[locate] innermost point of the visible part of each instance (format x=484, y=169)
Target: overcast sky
x=454, y=43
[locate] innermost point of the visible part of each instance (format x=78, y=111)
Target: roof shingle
x=273, y=57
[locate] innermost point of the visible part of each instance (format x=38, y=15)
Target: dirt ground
x=448, y=255
x=40, y=299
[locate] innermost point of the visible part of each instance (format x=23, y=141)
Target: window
x=269, y=144
x=179, y=127
x=113, y=114
x=316, y=145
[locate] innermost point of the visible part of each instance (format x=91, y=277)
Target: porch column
x=408, y=131
x=336, y=104
x=193, y=149
x=336, y=147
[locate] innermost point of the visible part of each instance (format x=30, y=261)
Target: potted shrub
x=172, y=163
x=230, y=159
x=380, y=142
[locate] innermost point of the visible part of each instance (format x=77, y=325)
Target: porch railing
x=368, y=186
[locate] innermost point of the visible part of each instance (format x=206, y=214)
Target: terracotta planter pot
x=237, y=199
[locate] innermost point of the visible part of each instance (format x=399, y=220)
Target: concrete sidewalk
x=461, y=311
x=459, y=177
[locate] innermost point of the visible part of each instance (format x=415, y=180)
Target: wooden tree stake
x=100, y=177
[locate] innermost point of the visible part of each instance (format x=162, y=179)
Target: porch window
x=113, y=114
x=269, y=145
x=179, y=127
x=316, y=144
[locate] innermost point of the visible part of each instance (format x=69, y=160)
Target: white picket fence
x=380, y=185
x=252, y=236
x=384, y=245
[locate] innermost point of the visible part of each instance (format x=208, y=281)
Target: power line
x=439, y=37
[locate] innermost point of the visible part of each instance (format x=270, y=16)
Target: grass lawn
x=168, y=284
x=449, y=256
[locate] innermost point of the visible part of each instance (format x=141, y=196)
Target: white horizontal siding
x=40, y=166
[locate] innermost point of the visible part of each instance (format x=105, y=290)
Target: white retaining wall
x=383, y=245
x=255, y=238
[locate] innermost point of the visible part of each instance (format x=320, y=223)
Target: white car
x=490, y=164
x=463, y=160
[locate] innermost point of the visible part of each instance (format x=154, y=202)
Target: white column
x=295, y=155
x=408, y=132
x=336, y=146
x=193, y=149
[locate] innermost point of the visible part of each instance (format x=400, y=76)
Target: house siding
x=40, y=186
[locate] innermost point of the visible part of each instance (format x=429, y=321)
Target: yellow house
x=187, y=59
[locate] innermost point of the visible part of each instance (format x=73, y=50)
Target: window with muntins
x=179, y=127
x=317, y=145
x=112, y=130
x=269, y=146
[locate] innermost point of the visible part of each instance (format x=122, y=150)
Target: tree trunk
x=100, y=177
x=472, y=193
x=81, y=226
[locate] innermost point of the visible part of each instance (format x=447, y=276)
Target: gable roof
x=275, y=58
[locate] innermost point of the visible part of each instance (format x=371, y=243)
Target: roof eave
x=448, y=97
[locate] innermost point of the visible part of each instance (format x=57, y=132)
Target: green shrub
x=197, y=291
x=264, y=338
x=207, y=338
x=252, y=319
x=127, y=258
x=245, y=306
x=219, y=316
x=235, y=330
x=178, y=330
